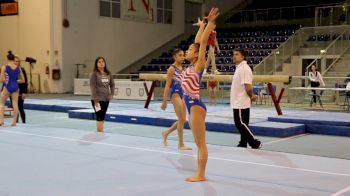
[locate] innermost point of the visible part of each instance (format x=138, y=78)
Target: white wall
x=9, y=36
x=37, y=32
x=121, y=42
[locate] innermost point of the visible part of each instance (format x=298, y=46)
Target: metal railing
x=332, y=98
x=330, y=55
x=332, y=15
x=301, y=39
x=280, y=13
x=284, y=51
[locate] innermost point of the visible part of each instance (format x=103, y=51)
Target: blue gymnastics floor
x=45, y=160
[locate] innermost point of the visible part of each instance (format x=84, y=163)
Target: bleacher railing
x=332, y=15
x=331, y=54
x=333, y=99
x=269, y=14
x=274, y=62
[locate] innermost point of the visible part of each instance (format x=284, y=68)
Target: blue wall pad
x=329, y=130
x=319, y=118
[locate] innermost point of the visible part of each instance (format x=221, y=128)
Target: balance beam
x=223, y=78
x=269, y=79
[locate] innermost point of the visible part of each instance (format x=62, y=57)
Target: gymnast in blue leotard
x=10, y=76
x=173, y=86
x=11, y=84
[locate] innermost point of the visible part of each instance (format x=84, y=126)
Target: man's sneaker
x=257, y=144
x=240, y=145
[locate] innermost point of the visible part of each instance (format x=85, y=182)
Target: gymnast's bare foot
x=183, y=147
x=165, y=137
x=196, y=178
x=14, y=124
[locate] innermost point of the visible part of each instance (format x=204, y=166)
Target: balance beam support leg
x=149, y=93
x=274, y=98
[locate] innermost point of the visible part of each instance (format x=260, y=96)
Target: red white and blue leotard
x=191, y=81
x=176, y=82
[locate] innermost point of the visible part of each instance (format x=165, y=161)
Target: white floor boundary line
x=177, y=153
x=341, y=191
x=285, y=139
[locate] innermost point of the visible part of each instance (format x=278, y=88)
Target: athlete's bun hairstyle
x=176, y=50
x=10, y=56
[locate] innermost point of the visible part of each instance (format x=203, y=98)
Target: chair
x=231, y=47
x=218, y=61
x=256, y=91
x=232, y=68
x=318, y=97
x=267, y=52
x=347, y=79
x=252, y=53
x=226, y=68
x=346, y=100
x=267, y=93
x=277, y=39
x=163, y=68
x=219, y=68
x=312, y=38
x=346, y=93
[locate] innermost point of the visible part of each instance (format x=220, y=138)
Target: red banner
x=9, y=8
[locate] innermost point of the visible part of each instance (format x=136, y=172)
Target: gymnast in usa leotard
x=173, y=85
x=176, y=82
x=191, y=85
x=10, y=76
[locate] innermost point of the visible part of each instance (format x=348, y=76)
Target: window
x=165, y=11
x=110, y=8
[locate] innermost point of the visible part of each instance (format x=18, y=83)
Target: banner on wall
x=138, y=10
x=130, y=90
x=8, y=8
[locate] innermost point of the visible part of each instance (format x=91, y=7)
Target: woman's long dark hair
x=315, y=67
x=96, y=67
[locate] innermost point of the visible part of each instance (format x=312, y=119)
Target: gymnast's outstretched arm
x=200, y=64
x=201, y=26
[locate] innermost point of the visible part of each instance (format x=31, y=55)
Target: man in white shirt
x=241, y=98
